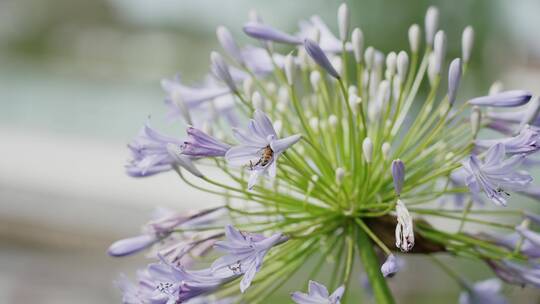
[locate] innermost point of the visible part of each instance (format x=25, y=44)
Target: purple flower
x=495, y=174
x=150, y=154
x=529, y=235
x=222, y=72
x=139, y=293
x=245, y=254
x=228, y=44
x=513, y=98
x=518, y=274
x=259, y=147
x=484, y=292
x=391, y=266
x=454, y=76
x=265, y=32
x=526, y=142
x=163, y=223
x=398, y=175
x=318, y=294
x=511, y=241
x=200, y=144
x=318, y=55
x=327, y=40
x=175, y=284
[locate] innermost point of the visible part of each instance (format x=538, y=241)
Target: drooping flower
x=267, y=33
x=526, y=142
x=318, y=55
x=483, y=292
x=495, y=174
x=513, y=98
x=398, y=175
x=518, y=274
x=404, y=228
x=259, y=147
x=150, y=154
x=318, y=294
x=245, y=254
x=200, y=144
x=163, y=222
x=391, y=266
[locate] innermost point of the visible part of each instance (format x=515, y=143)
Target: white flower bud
x=414, y=38
x=315, y=79
x=314, y=123
x=467, y=41
x=357, y=44
x=391, y=61
x=369, y=57
x=271, y=88
x=248, y=85
x=257, y=101
x=355, y=103
x=303, y=58
x=290, y=67
x=431, y=24
x=337, y=64
x=439, y=50
x=283, y=95
x=343, y=21
x=496, y=88
x=404, y=228
x=340, y=174
x=476, y=117
x=332, y=121
x=385, y=148
x=431, y=70
x=367, y=147
x=402, y=66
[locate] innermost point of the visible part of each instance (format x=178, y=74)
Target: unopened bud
x=290, y=67
x=414, y=38
x=391, y=61
x=467, y=41
x=343, y=21
x=369, y=57
x=385, y=148
x=315, y=79
x=367, y=147
x=358, y=44
x=476, y=117
x=431, y=24
x=340, y=175
x=257, y=101
x=332, y=121
x=402, y=66
x=314, y=123
x=398, y=175
x=355, y=103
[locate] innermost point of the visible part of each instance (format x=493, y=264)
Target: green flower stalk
x=321, y=157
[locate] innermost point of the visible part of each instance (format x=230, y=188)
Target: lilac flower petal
x=221, y=71
x=283, y=144
x=131, y=245
x=532, y=236
x=183, y=160
x=318, y=55
x=315, y=288
x=242, y=155
x=264, y=123
x=268, y=33
x=513, y=98
x=336, y=296
x=318, y=294
x=228, y=44
x=526, y=142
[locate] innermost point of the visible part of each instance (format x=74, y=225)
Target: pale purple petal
x=398, y=175
x=268, y=33
x=513, y=98
x=318, y=55
x=131, y=245
x=280, y=145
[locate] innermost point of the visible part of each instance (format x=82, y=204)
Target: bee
x=266, y=156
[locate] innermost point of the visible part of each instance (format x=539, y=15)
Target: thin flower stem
x=372, y=236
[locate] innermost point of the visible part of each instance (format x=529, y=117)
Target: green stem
x=371, y=265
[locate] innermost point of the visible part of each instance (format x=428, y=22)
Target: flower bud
x=367, y=147
x=385, y=149
x=355, y=103
x=454, y=76
x=414, y=38
x=315, y=79
x=290, y=67
x=357, y=44
x=514, y=98
x=221, y=70
x=369, y=57
x=439, y=50
x=391, y=61
x=390, y=267
x=257, y=101
x=402, y=66
x=404, y=228
x=533, y=109
x=248, y=86
x=467, y=41
x=228, y=44
x=314, y=123
x=352, y=90
x=317, y=54
x=431, y=24
x=495, y=88
x=332, y=121
x=398, y=175
x=343, y=21
x=340, y=174
x=476, y=117
x=267, y=33
x=131, y=245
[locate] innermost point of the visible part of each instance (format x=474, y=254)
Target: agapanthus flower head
x=318, y=294
x=341, y=190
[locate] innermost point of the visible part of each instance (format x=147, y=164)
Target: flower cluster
x=334, y=163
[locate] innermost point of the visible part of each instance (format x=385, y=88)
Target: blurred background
x=79, y=78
